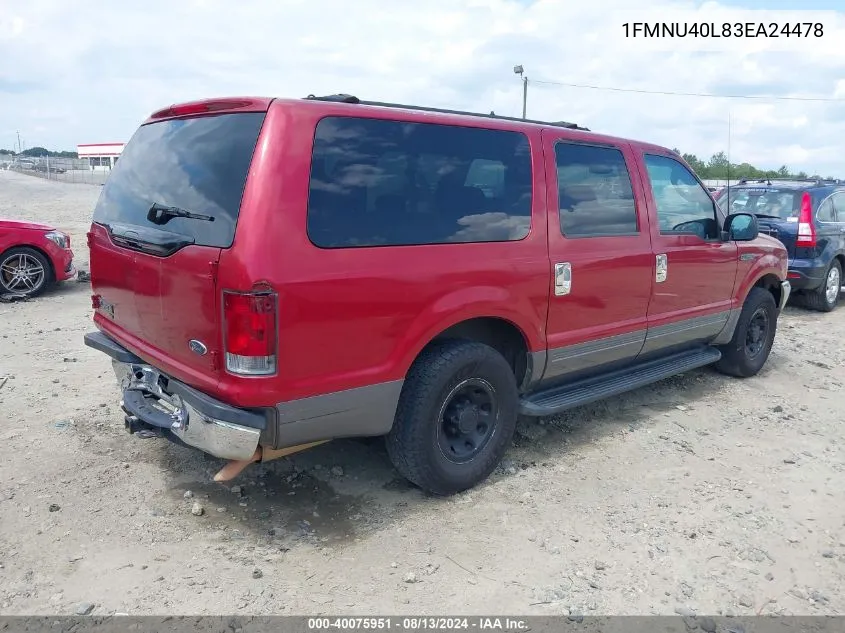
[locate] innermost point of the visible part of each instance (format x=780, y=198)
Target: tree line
x=718, y=167
x=37, y=152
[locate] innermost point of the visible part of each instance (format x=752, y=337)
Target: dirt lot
x=702, y=493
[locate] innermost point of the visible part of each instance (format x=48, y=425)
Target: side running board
x=575, y=394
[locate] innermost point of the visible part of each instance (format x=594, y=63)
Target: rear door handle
x=563, y=279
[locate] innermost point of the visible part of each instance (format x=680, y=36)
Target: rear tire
x=825, y=297
x=456, y=417
x=753, y=337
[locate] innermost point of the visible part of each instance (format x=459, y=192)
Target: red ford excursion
x=270, y=274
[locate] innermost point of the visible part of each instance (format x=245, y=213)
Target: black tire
x=817, y=299
x=746, y=354
x=416, y=442
x=9, y=257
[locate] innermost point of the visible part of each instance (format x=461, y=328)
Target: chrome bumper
x=785, y=290
x=148, y=401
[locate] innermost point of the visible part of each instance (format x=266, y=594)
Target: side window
x=827, y=212
x=683, y=206
x=594, y=191
x=390, y=183
x=839, y=206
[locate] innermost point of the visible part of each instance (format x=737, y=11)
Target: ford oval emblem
x=198, y=347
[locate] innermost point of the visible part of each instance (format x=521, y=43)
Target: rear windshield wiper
x=162, y=214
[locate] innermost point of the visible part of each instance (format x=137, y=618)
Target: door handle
x=661, y=271
x=563, y=279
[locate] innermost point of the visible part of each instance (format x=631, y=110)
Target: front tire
x=753, y=337
x=24, y=271
x=825, y=297
x=456, y=417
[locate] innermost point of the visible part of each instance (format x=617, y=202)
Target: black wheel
x=456, y=417
x=755, y=332
x=825, y=297
x=24, y=271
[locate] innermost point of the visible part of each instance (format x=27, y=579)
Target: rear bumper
x=157, y=404
x=806, y=274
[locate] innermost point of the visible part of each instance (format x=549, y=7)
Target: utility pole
x=20, y=149
x=519, y=70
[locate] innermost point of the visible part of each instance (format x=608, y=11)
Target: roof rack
x=345, y=98
x=769, y=181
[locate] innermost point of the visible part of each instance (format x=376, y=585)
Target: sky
x=75, y=72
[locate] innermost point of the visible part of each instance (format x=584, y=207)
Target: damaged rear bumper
x=156, y=404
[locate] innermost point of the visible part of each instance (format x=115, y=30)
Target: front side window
x=683, y=206
x=594, y=191
x=390, y=183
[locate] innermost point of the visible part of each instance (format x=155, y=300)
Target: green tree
x=695, y=162
x=42, y=151
x=719, y=168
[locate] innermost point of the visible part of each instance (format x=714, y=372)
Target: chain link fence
x=73, y=170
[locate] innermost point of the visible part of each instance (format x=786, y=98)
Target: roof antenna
x=729, y=163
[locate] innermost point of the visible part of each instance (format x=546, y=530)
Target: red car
x=33, y=256
x=270, y=274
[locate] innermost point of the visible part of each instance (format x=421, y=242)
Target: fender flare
x=744, y=288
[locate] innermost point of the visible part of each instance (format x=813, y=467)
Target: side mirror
x=741, y=227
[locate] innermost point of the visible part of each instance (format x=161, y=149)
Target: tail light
x=250, y=333
x=806, y=230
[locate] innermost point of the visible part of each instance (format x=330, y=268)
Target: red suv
x=269, y=274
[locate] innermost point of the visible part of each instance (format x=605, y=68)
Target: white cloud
x=74, y=73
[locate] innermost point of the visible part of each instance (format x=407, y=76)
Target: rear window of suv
x=198, y=165
x=763, y=201
x=388, y=183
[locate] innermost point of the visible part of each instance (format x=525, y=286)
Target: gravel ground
x=700, y=494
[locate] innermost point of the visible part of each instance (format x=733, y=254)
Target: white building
x=100, y=156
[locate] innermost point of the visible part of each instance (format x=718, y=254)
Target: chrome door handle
x=661, y=271
x=563, y=279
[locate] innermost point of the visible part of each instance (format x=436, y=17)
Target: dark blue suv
x=808, y=216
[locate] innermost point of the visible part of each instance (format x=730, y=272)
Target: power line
x=687, y=94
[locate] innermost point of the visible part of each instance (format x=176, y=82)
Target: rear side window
x=198, y=165
x=826, y=212
x=763, y=201
x=839, y=206
x=594, y=191
x=390, y=183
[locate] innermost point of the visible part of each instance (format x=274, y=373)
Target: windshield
x=778, y=203
x=198, y=165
